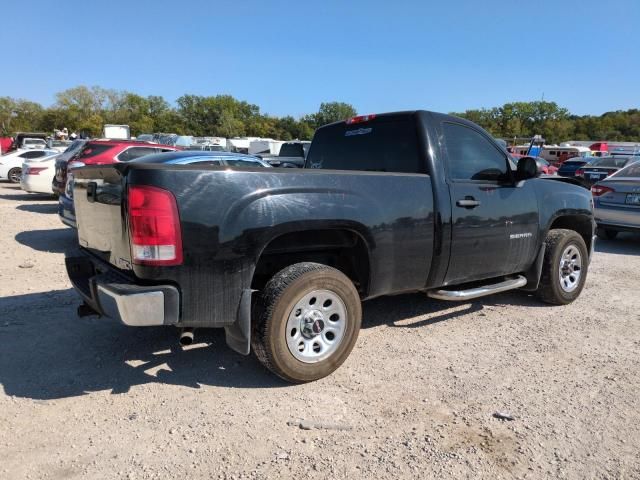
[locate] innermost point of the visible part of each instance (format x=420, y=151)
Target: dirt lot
x=93, y=399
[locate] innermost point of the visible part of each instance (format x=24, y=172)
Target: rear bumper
x=30, y=184
x=111, y=294
x=66, y=211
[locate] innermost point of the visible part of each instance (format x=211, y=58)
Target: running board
x=462, y=295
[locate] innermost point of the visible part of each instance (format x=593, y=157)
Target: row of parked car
x=43, y=168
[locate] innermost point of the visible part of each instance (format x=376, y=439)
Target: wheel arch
x=345, y=249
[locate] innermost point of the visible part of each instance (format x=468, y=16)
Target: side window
x=135, y=152
x=242, y=163
x=212, y=163
x=34, y=154
x=471, y=155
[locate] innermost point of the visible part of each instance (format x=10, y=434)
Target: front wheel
x=14, y=175
x=564, y=269
x=307, y=322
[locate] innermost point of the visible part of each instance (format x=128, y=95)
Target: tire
x=568, y=246
x=287, y=316
x=14, y=175
x=606, y=233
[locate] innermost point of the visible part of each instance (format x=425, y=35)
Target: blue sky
x=288, y=56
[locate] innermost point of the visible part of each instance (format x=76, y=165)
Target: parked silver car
x=617, y=202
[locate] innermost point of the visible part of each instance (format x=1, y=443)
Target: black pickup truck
x=282, y=258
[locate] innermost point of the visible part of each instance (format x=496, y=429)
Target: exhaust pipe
x=186, y=337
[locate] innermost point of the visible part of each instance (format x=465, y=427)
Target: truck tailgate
x=98, y=198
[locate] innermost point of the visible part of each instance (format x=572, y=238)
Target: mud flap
x=535, y=271
x=238, y=334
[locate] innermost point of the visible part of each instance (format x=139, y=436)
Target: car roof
x=183, y=155
x=113, y=141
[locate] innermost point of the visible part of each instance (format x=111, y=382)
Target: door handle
x=468, y=202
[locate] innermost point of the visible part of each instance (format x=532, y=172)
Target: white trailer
x=116, y=132
x=265, y=146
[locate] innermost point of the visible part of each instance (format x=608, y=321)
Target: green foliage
x=87, y=109
x=331, y=112
x=554, y=123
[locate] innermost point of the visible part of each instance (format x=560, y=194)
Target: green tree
x=330, y=112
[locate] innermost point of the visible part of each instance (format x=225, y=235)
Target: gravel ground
x=93, y=399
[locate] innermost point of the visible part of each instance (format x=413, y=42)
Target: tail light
x=34, y=170
x=360, y=119
x=579, y=172
x=598, y=190
x=154, y=226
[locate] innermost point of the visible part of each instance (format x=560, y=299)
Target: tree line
x=85, y=110
x=555, y=124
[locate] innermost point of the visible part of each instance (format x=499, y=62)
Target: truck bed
x=229, y=218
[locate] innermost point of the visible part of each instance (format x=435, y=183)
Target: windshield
x=616, y=162
x=632, y=171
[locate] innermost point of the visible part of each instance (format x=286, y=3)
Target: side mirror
x=527, y=168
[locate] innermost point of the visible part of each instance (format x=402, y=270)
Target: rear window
x=135, y=152
x=609, y=162
x=378, y=146
x=631, y=171
x=33, y=154
x=291, y=150
x=92, y=150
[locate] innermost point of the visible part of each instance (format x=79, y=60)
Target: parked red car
x=98, y=152
x=5, y=144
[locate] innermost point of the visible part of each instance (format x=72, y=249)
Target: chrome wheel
x=14, y=175
x=570, y=268
x=316, y=326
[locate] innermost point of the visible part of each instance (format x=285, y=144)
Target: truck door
x=494, y=222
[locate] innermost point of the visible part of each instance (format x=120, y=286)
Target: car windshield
x=616, y=162
x=632, y=171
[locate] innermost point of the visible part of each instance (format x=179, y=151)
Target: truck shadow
x=59, y=240
x=624, y=244
x=417, y=310
x=48, y=353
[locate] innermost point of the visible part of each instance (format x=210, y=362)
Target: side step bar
x=462, y=295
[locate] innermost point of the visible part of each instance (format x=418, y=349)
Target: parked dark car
x=204, y=158
x=292, y=155
x=570, y=166
x=617, y=202
x=282, y=258
x=97, y=152
x=59, y=178
x=600, y=168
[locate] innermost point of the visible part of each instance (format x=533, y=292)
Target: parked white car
x=11, y=163
x=37, y=174
x=31, y=143
x=59, y=145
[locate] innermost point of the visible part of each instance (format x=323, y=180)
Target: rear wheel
x=564, y=269
x=307, y=322
x=606, y=233
x=14, y=175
